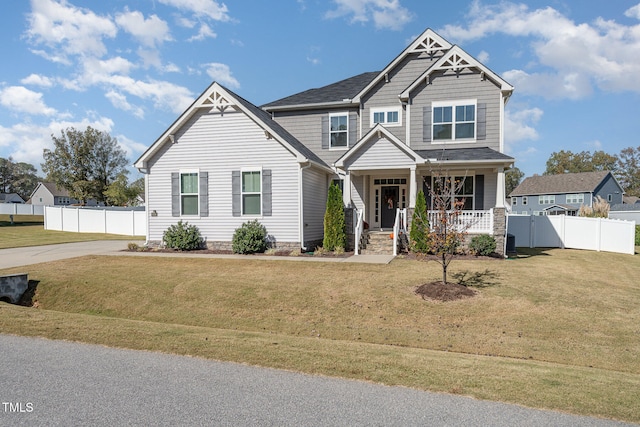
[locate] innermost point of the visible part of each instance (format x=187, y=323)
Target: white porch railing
x=359, y=217
x=473, y=222
x=400, y=225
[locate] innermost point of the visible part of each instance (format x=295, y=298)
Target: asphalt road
x=44, y=382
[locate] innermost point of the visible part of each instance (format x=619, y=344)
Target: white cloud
x=483, y=57
x=119, y=100
x=571, y=85
x=633, y=12
x=201, y=8
x=151, y=32
x=37, y=80
x=132, y=148
x=67, y=30
x=577, y=56
x=19, y=99
x=385, y=14
x=204, y=32
x=520, y=126
x=221, y=73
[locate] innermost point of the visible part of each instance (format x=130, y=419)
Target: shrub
x=183, y=237
x=637, y=235
x=482, y=245
x=249, y=238
x=133, y=246
x=334, y=225
x=419, y=232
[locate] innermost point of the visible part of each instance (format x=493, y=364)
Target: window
x=514, y=201
x=609, y=197
x=547, y=199
x=339, y=130
x=454, y=121
x=388, y=116
x=575, y=198
x=525, y=200
x=463, y=190
x=251, y=193
x=189, y=193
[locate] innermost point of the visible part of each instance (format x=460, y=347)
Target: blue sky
x=130, y=67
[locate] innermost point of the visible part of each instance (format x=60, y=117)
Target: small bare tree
x=447, y=230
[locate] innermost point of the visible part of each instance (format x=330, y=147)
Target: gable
x=585, y=182
x=378, y=154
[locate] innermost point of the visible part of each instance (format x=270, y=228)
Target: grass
x=556, y=329
x=28, y=230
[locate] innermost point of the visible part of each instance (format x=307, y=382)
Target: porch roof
x=471, y=155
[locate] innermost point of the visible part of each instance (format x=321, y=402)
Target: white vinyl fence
x=563, y=231
x=20, y=209
x=127, y=222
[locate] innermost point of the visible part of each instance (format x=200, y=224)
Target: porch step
x=377, y=242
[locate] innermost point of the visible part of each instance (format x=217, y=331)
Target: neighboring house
x=564, y=194
x=10, y=198
x=382, y=135
x=629, y=209
x=48, y=194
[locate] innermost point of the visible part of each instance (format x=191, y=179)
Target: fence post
x=599, y=234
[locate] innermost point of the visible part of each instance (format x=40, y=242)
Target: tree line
x=625, y=167
x=88, y=163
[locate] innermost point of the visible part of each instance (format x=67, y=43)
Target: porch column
x=500, y=189
x=413, y=188
x=346, y=192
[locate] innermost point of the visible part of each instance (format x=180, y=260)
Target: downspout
x=301, y=205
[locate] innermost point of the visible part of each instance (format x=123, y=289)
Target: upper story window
x=339, y=130
x=525, y=200
x=575, y=198
x=546, y=199
x=189, y=193
x=251, y=192
x=388, y=116
x=454, y=121
x=514, y=201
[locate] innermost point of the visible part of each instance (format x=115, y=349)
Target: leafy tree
x=20, y=177
x=629, y=171
x=84, y=162
x=419, y=232
x=121, y=193
x=334, y=225
x=447, y=231
x=512, y=179
x=568, y=162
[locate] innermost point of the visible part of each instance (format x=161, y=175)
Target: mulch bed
x=283, y=253
x=440, y=292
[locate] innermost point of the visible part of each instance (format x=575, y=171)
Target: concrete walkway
x=17, y=257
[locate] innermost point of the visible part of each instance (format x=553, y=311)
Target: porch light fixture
x=154, y=213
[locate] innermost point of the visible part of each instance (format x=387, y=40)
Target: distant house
x=48, y=194
x=10, y=198
x=564, y=194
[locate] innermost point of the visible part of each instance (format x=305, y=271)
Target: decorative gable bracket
x=216, y=100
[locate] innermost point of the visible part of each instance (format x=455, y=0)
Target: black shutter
x=235, y=193
x=175, y=194
x=481, y=122
x=353, y=129
x=426, y=124
x=204, y=193
x=266, y=192
x=479, y=192
x=325, y=132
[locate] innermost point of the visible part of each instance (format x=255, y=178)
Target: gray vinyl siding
x=357, y=191
x=609, y=186
x=449, y=87
x=306, y=126
x=379, y=154
x=315, y=190
x=385, y=94
x=219, y=144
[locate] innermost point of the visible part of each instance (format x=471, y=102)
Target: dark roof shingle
x=557, y=184
x=455, y=154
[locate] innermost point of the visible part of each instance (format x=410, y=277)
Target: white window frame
x=525, y=200
x=609, y=198
x=385, y=111
x=197, y=193
x=452, y=176
x=331, y=132
x=243, y=193
x=575, y=198
x=546, y=199
x=454, y=121
x=514, y=201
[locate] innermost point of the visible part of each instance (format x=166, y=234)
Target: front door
x=388, y=205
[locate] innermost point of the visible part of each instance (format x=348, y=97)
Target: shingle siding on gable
x=218, y=144
x=449, y=87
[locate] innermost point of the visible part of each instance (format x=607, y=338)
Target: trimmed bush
x=637, y=235
x=419, y=232
x=183, y=237
x=334, y=225
x=250, y=238
x=484, y=245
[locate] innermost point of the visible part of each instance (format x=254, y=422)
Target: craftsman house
x=433, y=110
x=564, y=194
